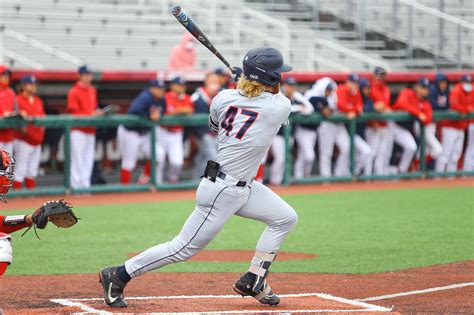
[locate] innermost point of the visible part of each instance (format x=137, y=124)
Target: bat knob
x=176, y=10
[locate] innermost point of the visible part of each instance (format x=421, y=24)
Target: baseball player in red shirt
x=7, y=107
x=170, y=139
x=28, y=140
x=349, y=101
x=82, y=101
x=461, y=99
x=378, y=134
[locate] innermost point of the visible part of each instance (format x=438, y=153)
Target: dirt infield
x=146, y=197
x=447, y=289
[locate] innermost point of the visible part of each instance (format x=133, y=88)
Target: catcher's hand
x=58, y=212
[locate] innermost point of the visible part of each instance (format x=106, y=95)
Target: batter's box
x=226, y=304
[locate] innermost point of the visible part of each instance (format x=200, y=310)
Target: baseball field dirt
x=429, y=287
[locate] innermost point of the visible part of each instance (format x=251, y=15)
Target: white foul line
x=85, y=308
x=435, y=289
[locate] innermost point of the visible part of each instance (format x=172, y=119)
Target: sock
x=17, y=185
x=123, y=274
x=30, y=183
x=147, y=168
x=125, y=176
x=3, y=268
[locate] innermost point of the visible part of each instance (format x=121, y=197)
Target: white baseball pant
x=132, y=144
x=452, y=141
x=469, y=154
x=305, y=139
x=216, y=203
x=277, y=169
x=405, y=139
x=433, y=146
x=7, y=146
x=27, y=160
x=379, y=140
x=207, y=151
x=331, y=134
x=169, y=144
x=82, y=158
x=364, y=156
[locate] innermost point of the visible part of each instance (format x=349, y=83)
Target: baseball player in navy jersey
x=134, y=141
x=299, y=104
x=246, y=120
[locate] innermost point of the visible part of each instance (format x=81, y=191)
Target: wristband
x=13, y=220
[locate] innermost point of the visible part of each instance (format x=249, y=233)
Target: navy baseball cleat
x=113, y=287
x=244, y=287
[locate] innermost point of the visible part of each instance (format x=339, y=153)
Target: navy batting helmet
x=264, y=65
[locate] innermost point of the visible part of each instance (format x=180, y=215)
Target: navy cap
x=290, y=81
x=178, y=80
x=220, y=71
x=84, y=69
x=440, y=76
x=4, y=70
x=28, y=79
x=466, y=78
x=157, y=83
x=424, y=82
x=353, y=77
x=380, y=71
x=364, y=83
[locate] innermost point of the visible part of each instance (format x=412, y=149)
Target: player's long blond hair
x=250, y=88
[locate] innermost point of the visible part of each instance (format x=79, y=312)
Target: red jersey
x=348, y=102
x=379, y=92
x=82, y=101
x=11, y=228
x=176, y=103
x=461, y=101
x=409, y=102
x=34, y=108
x=7, y=104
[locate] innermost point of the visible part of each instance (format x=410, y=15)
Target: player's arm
x=455, y=103
x=404, y=103
x=73, y=103
x=213, y=115
x=13, y=223
x=304, y=106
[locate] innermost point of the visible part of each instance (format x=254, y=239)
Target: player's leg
x=7, y=146
x=78, y=145
x=405, y=139
x=365, y=156
x=457, y=151
x=469, y=154
x=161, y=139
x=278, y=165
x=129, y=144
x=33, y=166
x=266, y=206
x=448, y=139
x=298, y=168
x=88, y=158
x=175, y=152
x=306, y=155
x=327, y=133
x=374, y=140
x=6, y=252
x=22, y=154
x=343, y=144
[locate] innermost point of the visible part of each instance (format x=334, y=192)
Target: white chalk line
x=414, y=292
x=365, y=306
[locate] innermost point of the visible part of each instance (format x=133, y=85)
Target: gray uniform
x=246, y=128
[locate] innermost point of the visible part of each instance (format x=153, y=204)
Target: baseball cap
x=178, y=80
x=84, y=69
x=466, y=78
x=364, y=83
x=424, y=82
x=157, y=83
x=28, y=79
x=290, y=81
x=353, y=77
x=220, y=71
x=5, y=70
x=380, y=71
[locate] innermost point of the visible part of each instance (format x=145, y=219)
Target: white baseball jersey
x=246, y=127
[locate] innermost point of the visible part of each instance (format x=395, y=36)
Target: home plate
x=227, y=304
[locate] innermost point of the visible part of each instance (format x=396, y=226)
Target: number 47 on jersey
x=232, y=112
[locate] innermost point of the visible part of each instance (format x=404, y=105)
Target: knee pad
x=6, y=250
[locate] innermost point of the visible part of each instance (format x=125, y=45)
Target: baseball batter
x=246, y=120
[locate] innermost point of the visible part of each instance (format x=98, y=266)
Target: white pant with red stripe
x=380, y=141
x=469, y=155
x=452, y=140
x=27, y=160
x=305, y=139
x=82, y=158
x=169, y=144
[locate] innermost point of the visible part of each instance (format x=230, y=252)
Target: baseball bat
x=194, y=29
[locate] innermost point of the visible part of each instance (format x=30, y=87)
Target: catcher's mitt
x=58, y=212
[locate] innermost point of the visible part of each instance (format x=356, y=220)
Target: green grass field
x=353, y=232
